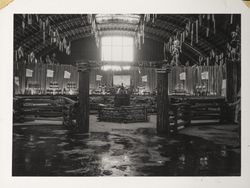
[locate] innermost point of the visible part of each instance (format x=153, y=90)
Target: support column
x=83, y=98
x=163, y=126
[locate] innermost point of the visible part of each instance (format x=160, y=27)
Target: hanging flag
x=29, y=73
x=67, y=74
x=53, y=37
x=57, y=37
x=181, y=38
x=183, y=76
x=37, y=18
x=29, y=19
x=50, y=73
x=44, y=34
x=204, y=75
x=40, y=23
x=197, y=25
x=17, y=81
x=192, y=34
x=164, y=51
x=207, y=61
x=20, y=52
x=213, y=19
x=23, y=25
x=144, y=78
x=64, y=43
x=200, y=19
x=47, y=22
x=217, y=59
x=98, y=77
x=68, y=49
x=207, y=32
x=231, y=19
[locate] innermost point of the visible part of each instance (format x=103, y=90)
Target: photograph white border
x=115, y=6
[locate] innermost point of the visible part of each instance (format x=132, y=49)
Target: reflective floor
x=55, y=151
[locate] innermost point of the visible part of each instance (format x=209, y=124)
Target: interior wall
x=85, y=49
x=135, y=74
x=216, y=75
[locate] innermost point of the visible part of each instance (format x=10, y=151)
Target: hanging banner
x=50, y=73
x=144, y=78
x=67, y=74
x=204, y=75
x=29, y=73
x=183, y=76
x=98, y=77
x=17, y=81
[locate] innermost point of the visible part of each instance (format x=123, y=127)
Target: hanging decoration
x=47, y=29
x=94, y=29
x=140, y=33
x=233, y=47
x=191, y=31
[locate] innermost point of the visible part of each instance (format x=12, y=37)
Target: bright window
x=117, y=48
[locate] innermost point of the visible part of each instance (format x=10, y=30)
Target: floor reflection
x=54, y=151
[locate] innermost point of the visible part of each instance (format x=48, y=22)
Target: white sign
x=29, y=73
x=144, y=78
x=118, y=80
x=224, y=88
x=50, y=73
x=98, y=77
x=67, y=74
x=204, y=75
x=183, y=76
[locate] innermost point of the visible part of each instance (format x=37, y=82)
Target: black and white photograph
x=126, y=94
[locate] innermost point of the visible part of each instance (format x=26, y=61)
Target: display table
x=123, y=114
x=203, y=107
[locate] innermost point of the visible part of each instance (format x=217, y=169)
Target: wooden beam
x=84, y=100
x=162, y=126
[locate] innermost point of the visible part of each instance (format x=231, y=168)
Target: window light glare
x=114, y=68
x=117, y=48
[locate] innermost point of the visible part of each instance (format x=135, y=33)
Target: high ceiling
x=76, y=26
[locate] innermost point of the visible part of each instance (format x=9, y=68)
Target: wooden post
x=83, y=98
x=163, y=126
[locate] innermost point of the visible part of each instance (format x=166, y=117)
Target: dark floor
x=118, y=150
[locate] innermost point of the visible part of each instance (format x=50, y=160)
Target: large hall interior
x=126, y=95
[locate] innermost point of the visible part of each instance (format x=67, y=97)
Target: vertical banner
x=67, y=74
x=50, y=73
x=29, y=73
